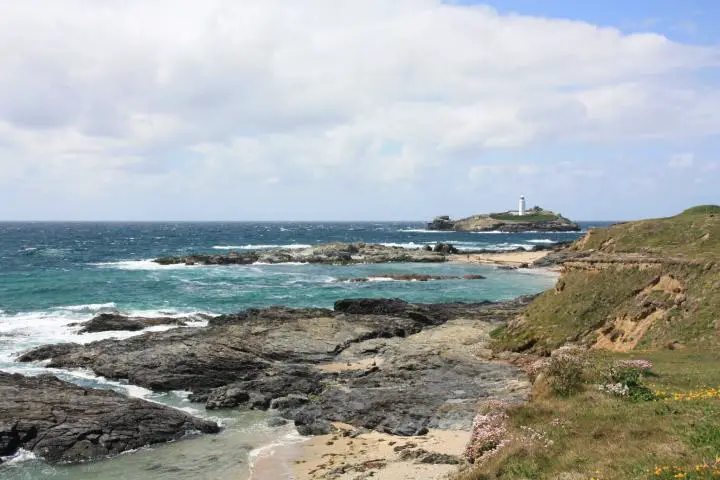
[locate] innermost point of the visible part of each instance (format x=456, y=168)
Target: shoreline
x=504, y=259
x=346, y=453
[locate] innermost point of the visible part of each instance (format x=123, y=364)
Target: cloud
x=682, y=160
x=209, y=95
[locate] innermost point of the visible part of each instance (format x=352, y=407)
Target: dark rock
x=104, y=322
x=276, y=422
x=445, y=248
x=421, y=455
x=335, y=253
x=248, y=359
x=442, y=223
x=372, y=306
x=289, y=402
x=226, y=397
x=62, y=422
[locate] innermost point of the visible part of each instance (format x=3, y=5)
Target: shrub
x=565, y=370
x=624, y=379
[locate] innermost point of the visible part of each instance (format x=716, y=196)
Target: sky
x=356, y=109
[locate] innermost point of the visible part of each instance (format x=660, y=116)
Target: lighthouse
x=521, y=208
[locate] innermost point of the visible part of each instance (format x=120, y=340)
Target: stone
x=63, y=422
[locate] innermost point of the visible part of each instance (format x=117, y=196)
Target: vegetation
x=597, y=435
x=508, y=217
x=608, y=414
x=534, y=215
x=693, y=233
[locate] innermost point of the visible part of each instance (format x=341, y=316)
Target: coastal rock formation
x=105, y=322
x=651, y=283
x=62, y=422
x=362, y=363
x=335, y=253
x=543, y=221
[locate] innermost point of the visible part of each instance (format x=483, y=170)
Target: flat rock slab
x=62, y=422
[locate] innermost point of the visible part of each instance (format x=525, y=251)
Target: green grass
x=506, y=217
x=694, y=233
x=594, y=435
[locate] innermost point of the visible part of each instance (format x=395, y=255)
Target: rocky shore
x=376, y=364
x=62, y=422
x=340, y=253
x=335, y=253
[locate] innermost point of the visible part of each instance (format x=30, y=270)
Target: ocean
x=53, y=275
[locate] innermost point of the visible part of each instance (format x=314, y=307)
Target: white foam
x=260, y=247
x=542, y=240
x=20, y=456
x=422, y=230
x=141, y=265
x=409, y=245
x=282, y=263
x=90, y=308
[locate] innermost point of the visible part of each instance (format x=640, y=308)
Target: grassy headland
x=640, y=290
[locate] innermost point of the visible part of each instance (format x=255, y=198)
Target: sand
x=511, y=259
x=375, y=455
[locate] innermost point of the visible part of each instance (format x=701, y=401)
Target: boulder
x=104, y=322
x=62, y=422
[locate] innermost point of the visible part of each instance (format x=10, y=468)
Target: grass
x=612, y=299
x=695, y=233
x=595, y=435
x=506, y=217
x=592, y=434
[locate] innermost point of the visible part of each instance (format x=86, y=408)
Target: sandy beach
x=346, y=455
x=510, y=259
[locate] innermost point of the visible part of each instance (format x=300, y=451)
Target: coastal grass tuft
x=593, y=434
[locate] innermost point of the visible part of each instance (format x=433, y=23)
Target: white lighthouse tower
x=521, y=208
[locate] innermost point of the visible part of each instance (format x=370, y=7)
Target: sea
x=55, y=275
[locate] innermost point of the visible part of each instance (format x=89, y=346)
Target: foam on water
x=542, y=240
x=260, y=247
x=22, y=455
x=148, y=264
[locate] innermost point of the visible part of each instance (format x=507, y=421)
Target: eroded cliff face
x=649, y=284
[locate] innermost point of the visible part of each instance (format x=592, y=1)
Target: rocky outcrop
x=376, y=363
x=105, y=322
x=62, y=422
x=441, y=223
x=336, y=253
x=491, y=223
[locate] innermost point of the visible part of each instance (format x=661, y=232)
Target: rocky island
x=513, y=221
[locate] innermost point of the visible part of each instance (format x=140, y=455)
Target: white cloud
x=207, y=93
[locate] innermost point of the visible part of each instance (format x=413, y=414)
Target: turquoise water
x=55, y=274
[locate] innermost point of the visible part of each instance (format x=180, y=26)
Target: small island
x=512, y=221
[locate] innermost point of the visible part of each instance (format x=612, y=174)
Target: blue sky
x=356, y=109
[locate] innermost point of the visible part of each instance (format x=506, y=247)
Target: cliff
x=650, y=284
x=536, y=220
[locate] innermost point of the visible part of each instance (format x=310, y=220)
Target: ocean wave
x=148, y=264
x=251, y=246
x=20, y=456
x=542, y=240
x=422, y=230
x=90, y=308
x=283, y=263
x=409, y=245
